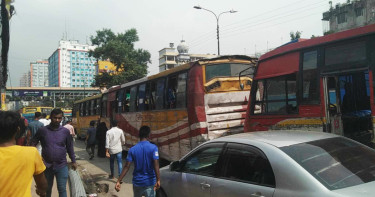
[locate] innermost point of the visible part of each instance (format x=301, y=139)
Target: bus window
x=104, y=106
x=280, y=95
x=126, y=100
x=147, y=97
x=97, y=106
x=310, y=85
x=87, y=108
x=181, y=90
x=153, y=95
x=81, y=107
x=160, y=94
x=120, y=98
x=92, y=109
x=227, y=70
x=133, y=99
x=171, y=92
x=141, y=97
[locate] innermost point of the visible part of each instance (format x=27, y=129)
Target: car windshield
x=228, y=70
x=336, y=162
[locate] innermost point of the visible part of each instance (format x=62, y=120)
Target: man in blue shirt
x=146, y=175
x=91, y=139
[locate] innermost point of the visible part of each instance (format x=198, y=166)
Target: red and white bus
x=183, y=106
x=322, y=84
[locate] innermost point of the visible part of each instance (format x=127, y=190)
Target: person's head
x=92, y=123
x=69, y=121
x=10, y=125
x=37, y=115
x=114, y=123
x=56, y=117
x=144, y=132
x=44, y=115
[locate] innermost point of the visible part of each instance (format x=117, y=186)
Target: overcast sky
x=257, y=26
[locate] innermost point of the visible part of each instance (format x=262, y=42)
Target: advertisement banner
x=30, y=93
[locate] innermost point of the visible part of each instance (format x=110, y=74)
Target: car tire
x=160, y=193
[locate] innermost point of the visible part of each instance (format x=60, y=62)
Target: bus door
x=332, y=105
x=347, y=101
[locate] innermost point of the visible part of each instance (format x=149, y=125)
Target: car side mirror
x=174, y=166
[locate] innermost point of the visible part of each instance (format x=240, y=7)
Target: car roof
x=278, y=138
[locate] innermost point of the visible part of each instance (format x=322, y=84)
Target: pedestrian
x=91, y=139
x=18, y=164
x=69, y=126
x=56, y=143
x=146, y=175
x=114, y=140
x=44, y=119
x=101, y=132
x=33, y=128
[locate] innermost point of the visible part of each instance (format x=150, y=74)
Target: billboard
x=30, y=93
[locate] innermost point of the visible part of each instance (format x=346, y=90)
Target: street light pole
x=217, y=23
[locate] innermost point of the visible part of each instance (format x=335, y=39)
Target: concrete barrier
x=75, y=184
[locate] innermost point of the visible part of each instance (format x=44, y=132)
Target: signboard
x=3, y=96
x=30, y=93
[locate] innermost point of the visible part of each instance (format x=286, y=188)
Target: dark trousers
x=90, y=148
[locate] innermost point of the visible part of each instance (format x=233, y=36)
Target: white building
x=39, y=73
x=169, y=58
x=71, y=66
x=25, y=79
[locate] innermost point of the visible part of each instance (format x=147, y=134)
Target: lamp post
x=217, y=23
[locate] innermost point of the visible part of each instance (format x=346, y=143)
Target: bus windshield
x=228, y=70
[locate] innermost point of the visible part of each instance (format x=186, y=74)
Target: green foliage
x=119, y=49
x=296, y=35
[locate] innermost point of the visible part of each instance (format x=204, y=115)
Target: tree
x=296, y=35
x=130, y=63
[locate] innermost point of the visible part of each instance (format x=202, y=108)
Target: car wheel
x=160, y=193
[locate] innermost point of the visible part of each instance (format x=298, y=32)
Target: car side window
x=204, y=161
x=247, y=164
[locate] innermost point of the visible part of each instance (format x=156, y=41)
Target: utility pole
x=6, y=12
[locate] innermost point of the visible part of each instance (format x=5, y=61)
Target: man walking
x=146, y=175
x=56, y=142
x=69, y=126
x=33, y=128
x=91, y=139
x=113, y=143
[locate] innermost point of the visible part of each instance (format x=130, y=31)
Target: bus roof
x=185, y=67
x=302, y=44
x=88, y=98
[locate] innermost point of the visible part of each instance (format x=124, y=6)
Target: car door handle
x=205, y=185
x=257, y=194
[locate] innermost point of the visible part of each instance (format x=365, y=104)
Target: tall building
x=25, y=79
x=39, y=73
x=355, y=13
x=169, y=58
x=71, y=66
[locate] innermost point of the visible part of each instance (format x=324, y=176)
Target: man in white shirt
x=44, y=120
x=113, y=145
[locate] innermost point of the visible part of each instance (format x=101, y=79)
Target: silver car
x=273, y=163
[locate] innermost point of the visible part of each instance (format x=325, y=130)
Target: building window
x=359, y=12
x=341, y=18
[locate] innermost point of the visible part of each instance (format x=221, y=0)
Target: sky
x=256, y=27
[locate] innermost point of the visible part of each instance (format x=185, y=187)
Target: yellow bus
x=29, y=112
x=84, y=111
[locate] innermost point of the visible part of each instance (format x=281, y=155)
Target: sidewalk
x=94, y=174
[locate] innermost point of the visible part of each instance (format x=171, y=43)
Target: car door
x=196, y=172
x=246, y=171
